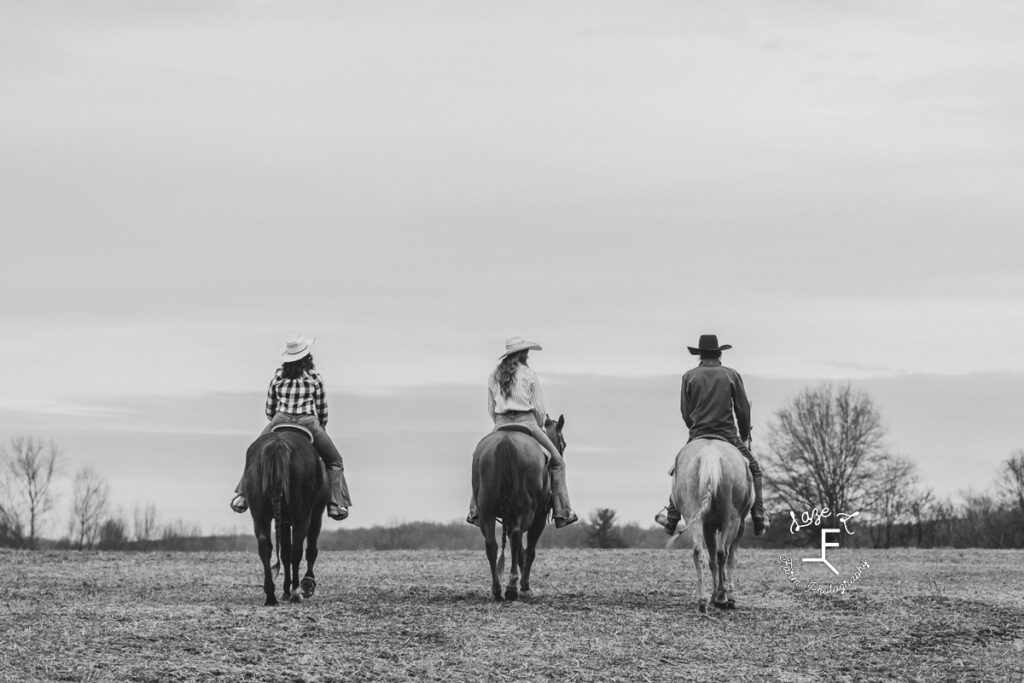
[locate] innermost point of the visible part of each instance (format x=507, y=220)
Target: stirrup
x=668, y=521
x=570, y=518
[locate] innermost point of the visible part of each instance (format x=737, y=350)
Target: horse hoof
x=702, y=606
x=296, y=596
x=308, y=586
x=526, y=595
x=511, y=594
x=271, y=602
x=725, y=604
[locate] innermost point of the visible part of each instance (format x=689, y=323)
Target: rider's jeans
x=530, y=420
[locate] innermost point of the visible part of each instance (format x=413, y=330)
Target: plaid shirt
x=302, y=396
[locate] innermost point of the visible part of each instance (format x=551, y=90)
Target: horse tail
x=511, y=487
x=277, y=484
x=709, y=476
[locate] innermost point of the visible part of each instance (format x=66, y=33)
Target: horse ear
x=561, y=422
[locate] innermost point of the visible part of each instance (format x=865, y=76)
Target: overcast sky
x=833, y=188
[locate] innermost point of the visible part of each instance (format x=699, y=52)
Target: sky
x=833, y=188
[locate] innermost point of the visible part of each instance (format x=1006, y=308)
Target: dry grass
x=597, y=616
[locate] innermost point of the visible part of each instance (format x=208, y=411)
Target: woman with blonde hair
x=514, y=396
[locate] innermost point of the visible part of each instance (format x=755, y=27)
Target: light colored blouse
x=525, y=394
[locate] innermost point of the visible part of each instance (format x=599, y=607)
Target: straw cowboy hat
x=297, y=348
x=516, y=344
x=708, y=342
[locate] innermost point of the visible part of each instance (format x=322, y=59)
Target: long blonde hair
x=506, y=371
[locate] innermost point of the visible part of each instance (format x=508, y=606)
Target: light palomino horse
x=511, y=483
x=713, y=490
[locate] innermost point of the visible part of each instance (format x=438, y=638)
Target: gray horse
x=511, y=484
x=713, y=489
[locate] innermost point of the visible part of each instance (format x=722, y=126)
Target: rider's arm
x=490, y=403
x=320, y=401
x=741, y=406
x=271, y=408
x=683, y=405
x=537, y=401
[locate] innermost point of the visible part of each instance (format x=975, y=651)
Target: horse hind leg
x=532, y=536
x=286, y=560
x=736, y=531
x=266, y=550
x=721, y=599
x=299, y=533
x=715, y=558
x=308, y=583
x=698, y=563
x=491, y=548
x=515, y=538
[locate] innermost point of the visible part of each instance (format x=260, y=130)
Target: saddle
x=298, y=429
x=514, y=428
x=524, y=430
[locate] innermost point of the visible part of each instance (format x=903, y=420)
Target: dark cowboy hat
x=708, y=342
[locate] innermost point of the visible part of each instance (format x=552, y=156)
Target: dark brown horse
x=285, y=482
x=713, y=490
x=514, y=487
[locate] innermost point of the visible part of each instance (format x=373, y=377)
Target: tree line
x=825, y=450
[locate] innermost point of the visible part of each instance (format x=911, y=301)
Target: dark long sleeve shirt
x=711, y=394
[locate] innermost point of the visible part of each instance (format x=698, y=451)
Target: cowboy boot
x=563, y=514
x=757, y=510
x=239, y=503
x=337, y=509
x=669, y=518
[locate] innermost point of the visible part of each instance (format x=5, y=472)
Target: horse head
x=554, y=432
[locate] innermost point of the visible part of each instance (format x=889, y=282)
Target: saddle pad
x=293, y=428
x=514, y=428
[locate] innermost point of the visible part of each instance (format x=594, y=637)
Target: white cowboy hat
x=516, y=344
x=297, y=348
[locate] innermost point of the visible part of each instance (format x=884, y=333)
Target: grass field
x=597, y=615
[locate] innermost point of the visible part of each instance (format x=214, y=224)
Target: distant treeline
x=978, y=522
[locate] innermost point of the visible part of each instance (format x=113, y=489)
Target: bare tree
x=1011, y=479
x=923, y=514
x=889, y=500
x=88, y=507
x=29, y=464
x=144, y=523
x=825, y=448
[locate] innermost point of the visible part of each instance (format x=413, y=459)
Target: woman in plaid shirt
x=296, y=396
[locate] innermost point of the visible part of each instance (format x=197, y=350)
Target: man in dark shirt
x=711, y=395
